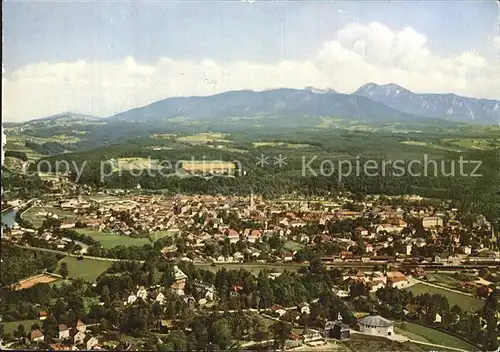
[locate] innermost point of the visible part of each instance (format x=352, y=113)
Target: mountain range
x=447, y=106
x=371, y=103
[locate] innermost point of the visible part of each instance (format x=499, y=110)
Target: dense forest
x=18, y=263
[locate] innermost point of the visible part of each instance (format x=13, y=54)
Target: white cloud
x=358, y=54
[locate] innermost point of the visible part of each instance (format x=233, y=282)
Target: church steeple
x=252, y=204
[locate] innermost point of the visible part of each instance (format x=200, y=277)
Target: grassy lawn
x=463, y=301
x=442, y=279
x=293, y=246
x=155, y=236
x=110, y=240
x=11, y=326
x=86, y=269
x=424, y=334
x=359, y=342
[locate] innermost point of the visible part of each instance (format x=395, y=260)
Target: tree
x=222, y=333
x=20, y=331
x=105, y=294
x=281, y=332
x=176, y=341
x=59, y=309
x=358, y=289
x=63, y=270
x=154, y=276
x=317, y=266
x=50, y=326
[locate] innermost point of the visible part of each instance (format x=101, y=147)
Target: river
x=9, y=218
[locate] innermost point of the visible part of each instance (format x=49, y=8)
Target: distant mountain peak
x=326, y=90
x=389, y=88
x=449, y=106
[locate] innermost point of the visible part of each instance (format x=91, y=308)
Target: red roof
x=237, y=288
x=255, y=233
x=62, y=327
x=276, y=307
x=232, y=233
x=35, y=334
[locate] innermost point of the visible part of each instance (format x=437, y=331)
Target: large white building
x=432, y=221
x=376, y=325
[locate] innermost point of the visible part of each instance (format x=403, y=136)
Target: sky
x=101, y=58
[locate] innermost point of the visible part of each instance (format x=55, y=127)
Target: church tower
x=252, y=203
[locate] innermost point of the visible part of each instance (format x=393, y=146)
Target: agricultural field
x=474, y=143
x=86, y=269
x=17, y=144
x=34, y=215
x=424, y=334
x=163, y=135
x=20, y=140
x=463, y=301
x=160, y=148
x=280, y=144
x=110, y=240
x=207, y=166
x=11, y=326
x=61, y=138
x=432, y=145
x=133, y=164
x=228, y=149
x=204, y=138
x=329, y=122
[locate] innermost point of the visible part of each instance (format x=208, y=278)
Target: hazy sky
x=104, y=57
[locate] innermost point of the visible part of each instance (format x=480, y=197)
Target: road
x=438, y=346
x=54, y=251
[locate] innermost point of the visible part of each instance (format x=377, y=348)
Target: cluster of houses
x=154, y=294
x=377, y=280
x=201, y=219
x=69, y=338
